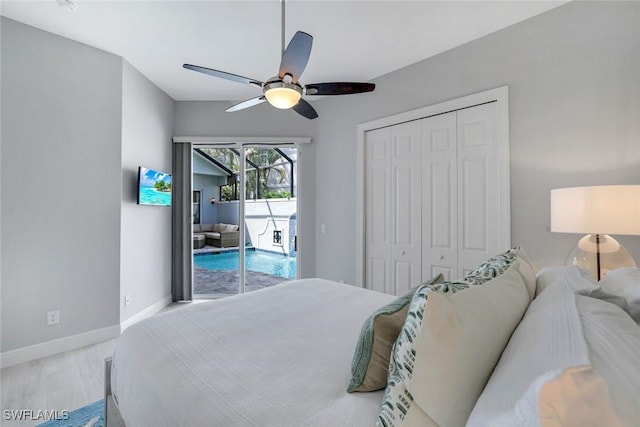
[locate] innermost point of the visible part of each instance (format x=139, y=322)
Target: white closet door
x=378, y=210
x=479, y=213
x=406, y=248
x=439, y=197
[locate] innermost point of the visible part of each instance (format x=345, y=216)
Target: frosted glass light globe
x=612, y=255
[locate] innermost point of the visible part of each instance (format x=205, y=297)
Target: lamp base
x=599, y=254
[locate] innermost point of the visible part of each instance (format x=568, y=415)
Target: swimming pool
x=263, y=262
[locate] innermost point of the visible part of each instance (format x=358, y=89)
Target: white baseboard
x=49, y=348
x=149, y=311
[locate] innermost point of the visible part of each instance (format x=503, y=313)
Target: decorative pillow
x=370, y=365
x=398, y=407
x=625, y=282
x=462, y=338
x=527, y=270
x=571, y=397
x=548, y=339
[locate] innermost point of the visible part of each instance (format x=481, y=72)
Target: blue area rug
x=91, y=415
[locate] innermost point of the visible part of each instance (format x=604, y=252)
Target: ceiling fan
x=284, y=90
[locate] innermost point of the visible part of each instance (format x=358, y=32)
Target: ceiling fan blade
x=305, y=109
x=246, y=104
x=338, y=88
x=223, y=75
x=296, y=56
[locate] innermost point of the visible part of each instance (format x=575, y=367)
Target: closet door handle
x=441, y=257
x=402, y=252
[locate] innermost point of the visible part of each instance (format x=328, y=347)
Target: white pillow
x=572, y=361
x=580, y=281
x=613, y=339
x=548, y=339
x=626, y=283
x=463, y=335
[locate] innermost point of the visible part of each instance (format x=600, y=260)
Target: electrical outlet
x=53, y=317
x=127, y=300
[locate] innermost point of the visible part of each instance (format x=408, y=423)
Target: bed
x=515, y=354
x=280, y=356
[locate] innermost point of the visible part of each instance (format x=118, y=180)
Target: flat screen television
x=154, y=187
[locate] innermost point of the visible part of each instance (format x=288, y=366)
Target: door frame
x=499, y=95
x=241, y=143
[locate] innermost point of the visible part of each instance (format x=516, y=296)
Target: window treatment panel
x=182, y=275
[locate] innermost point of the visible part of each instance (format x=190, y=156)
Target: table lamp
x=597, y=211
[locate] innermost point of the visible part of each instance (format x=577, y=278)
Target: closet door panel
x=377, y=221
x=406, y=207
x=439, y=196
x=479, y=191
x=473, y=205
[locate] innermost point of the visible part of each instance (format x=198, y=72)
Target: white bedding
x=275, y=357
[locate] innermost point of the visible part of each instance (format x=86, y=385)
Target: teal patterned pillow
x=397, y=403
x=369, y=368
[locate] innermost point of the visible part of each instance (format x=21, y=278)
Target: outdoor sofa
x=218, y=235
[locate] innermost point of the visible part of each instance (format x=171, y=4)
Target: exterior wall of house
x=209, y=186
x=262, y=218
x=61, y=186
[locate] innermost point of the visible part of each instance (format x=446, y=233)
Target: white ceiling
x=353, y=40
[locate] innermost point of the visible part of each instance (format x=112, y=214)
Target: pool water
x=263, y=262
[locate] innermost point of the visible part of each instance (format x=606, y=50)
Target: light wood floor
x=67, y=380
x=63, y=381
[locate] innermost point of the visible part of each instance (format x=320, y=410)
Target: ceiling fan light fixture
x=282, y=95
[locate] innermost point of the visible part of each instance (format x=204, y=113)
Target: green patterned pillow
x=397, y=404
x=369, y=368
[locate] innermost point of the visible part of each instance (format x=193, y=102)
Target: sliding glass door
x=248, y=217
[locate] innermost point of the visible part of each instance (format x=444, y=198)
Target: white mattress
x=276, y=357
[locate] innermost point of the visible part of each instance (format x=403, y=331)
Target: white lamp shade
x=607, y=209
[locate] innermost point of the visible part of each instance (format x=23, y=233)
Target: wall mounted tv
x=154, y=188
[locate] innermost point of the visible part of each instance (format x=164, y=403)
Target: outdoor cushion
x=231, y=227
x=212, y=235
x=217, y=227
x=206, y=227
x=196, y=228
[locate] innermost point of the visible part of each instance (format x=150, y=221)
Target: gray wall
x=61, y=186
x=574, y=82
x=145, y=249
x=209, y=119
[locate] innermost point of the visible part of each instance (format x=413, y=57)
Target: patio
x=220, y=283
